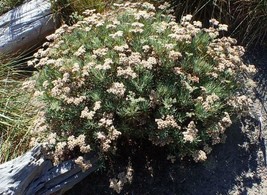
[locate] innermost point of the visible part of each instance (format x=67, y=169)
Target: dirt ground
x=237, y=167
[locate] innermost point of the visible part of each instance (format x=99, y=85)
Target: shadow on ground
x=155, y=175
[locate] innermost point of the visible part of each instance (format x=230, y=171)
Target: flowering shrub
x=134, y=73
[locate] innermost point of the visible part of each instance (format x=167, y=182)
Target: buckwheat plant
x=134, y=73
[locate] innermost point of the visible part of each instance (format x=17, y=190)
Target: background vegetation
x=6, y=5
x=246, y=19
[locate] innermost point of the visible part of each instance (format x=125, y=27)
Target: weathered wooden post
x=32, y=174
x=26, y=26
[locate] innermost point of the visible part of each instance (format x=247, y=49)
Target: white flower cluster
x=80, y=142
x=149, y=63
x=241, y=102
x=217, y=134
x=121, y=48
x=90, y=114
x=84, y=164
x=137, y=27
x=175, y=55
x=100, y=52
x=191, y=132
x=143, y=15
x=117, y=34
x=164, y=6
x=106, y=65
x=59, y=152
x=210, y=100
x=117, y=89
x=126, y=73
x=124, y=177
x=131, y=97
x=167, y=122
x=74, y=100
x=226, y=120
x=199, y=156
x=81, y=51
x=106, y=139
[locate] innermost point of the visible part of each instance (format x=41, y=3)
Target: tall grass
x=202, y=9
x=247, y=19
x=251, y=21
x=15, y=111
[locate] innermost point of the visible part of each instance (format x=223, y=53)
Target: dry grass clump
x=247, y=20
x=251, y=21
x=134, y=73
x=15, y=111
x=69, y=10
x=203, y=9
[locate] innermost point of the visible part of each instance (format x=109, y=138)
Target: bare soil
x=237, y=167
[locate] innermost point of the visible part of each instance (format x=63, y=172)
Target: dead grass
x=15, y=111
x=247, y=20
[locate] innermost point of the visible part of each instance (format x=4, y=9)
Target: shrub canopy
x=134, y=73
